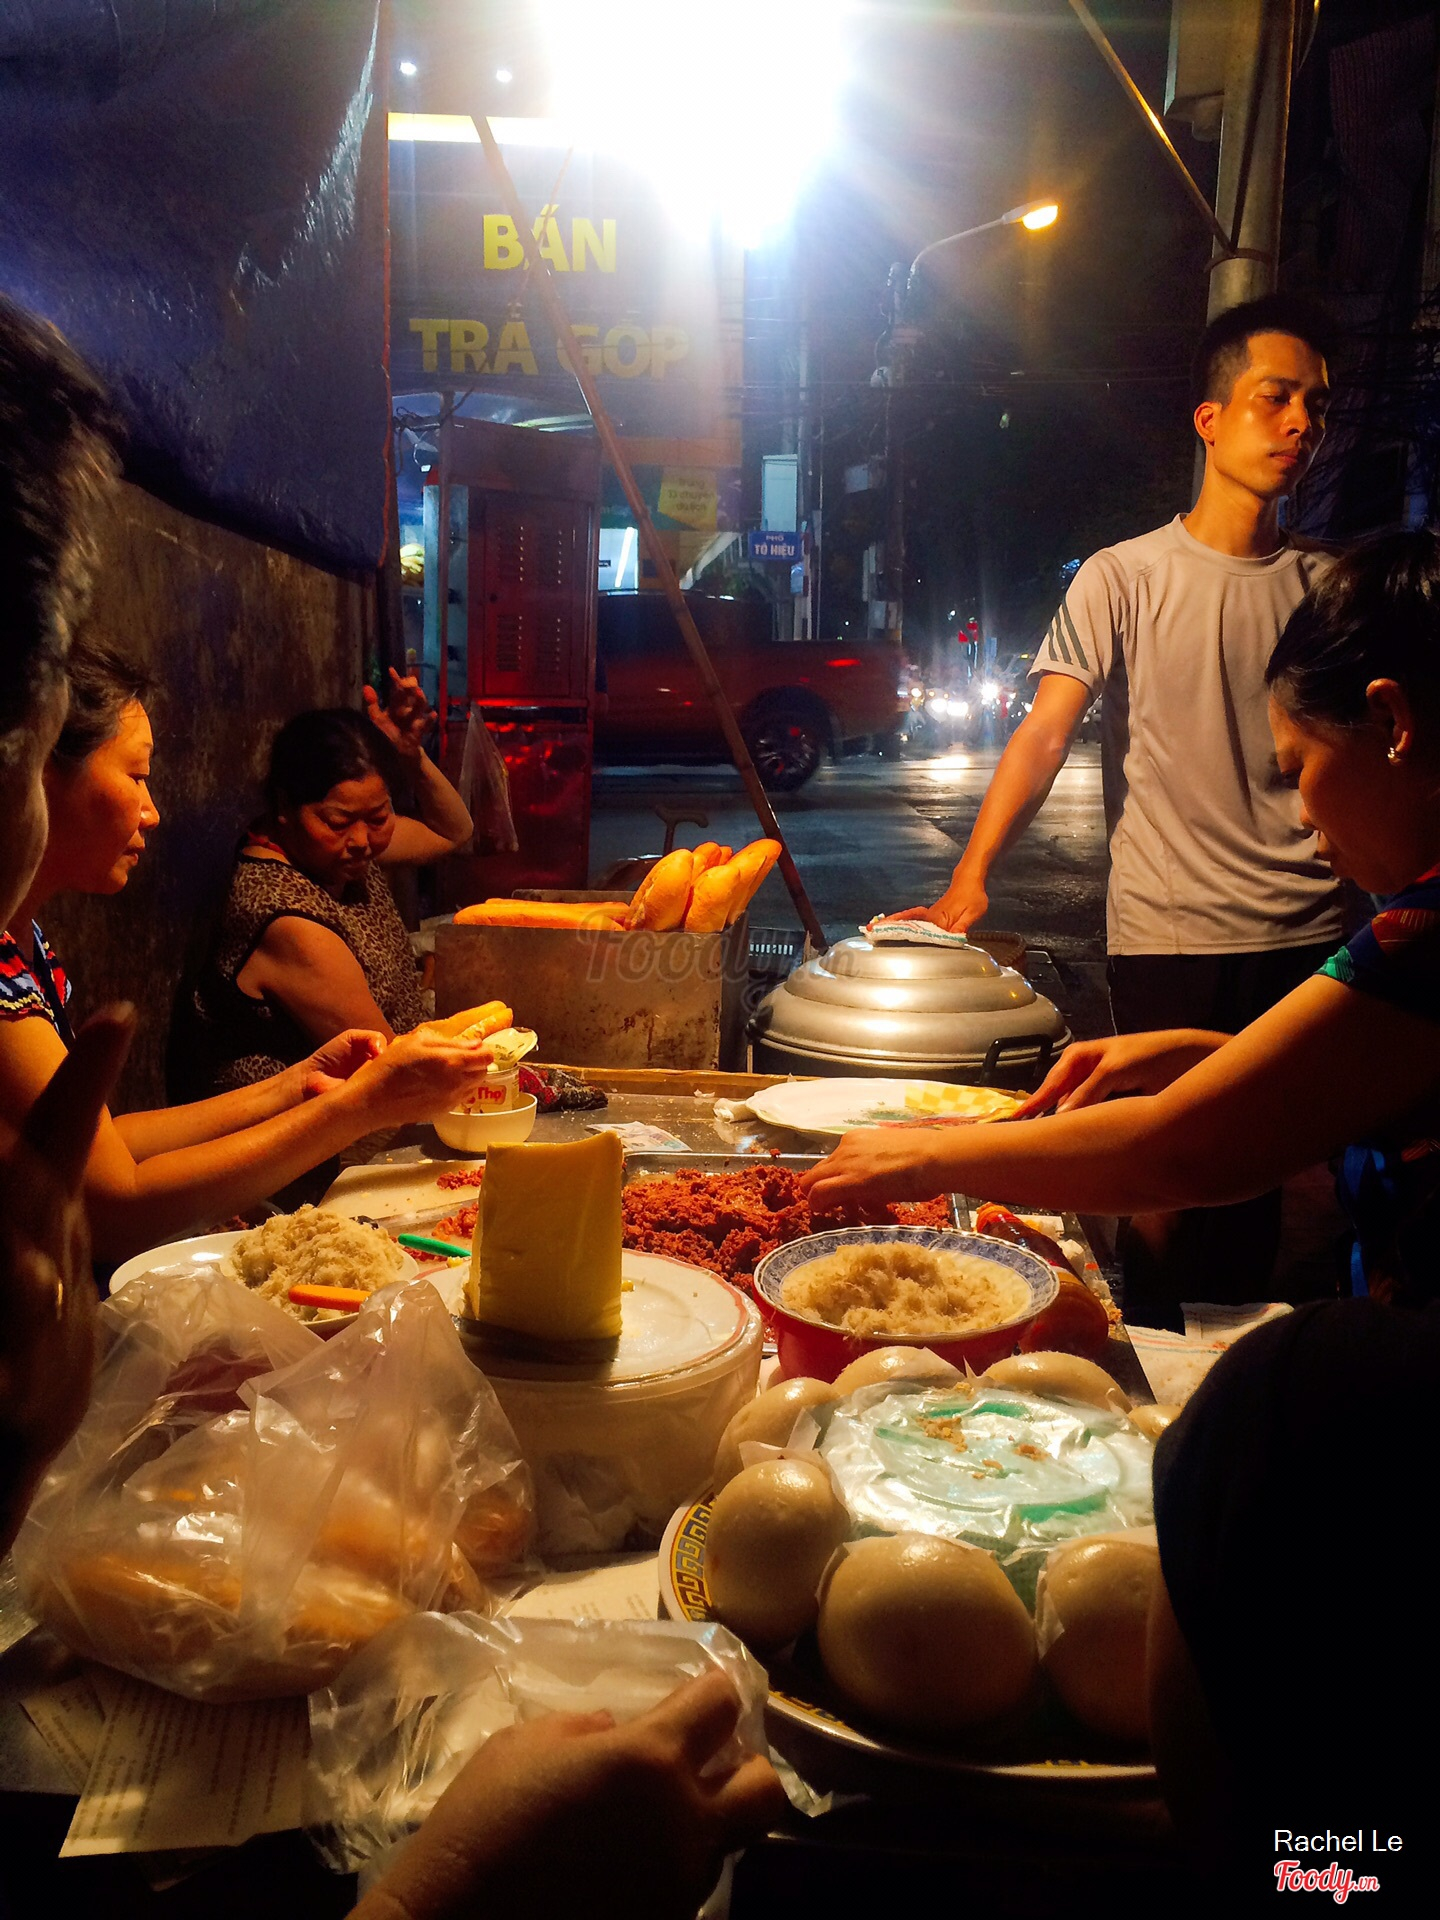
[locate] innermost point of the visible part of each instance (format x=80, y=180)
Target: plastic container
x=819, y=1352
x=616, y=1445
x=475, y=1132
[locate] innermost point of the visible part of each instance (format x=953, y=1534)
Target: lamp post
x=900, y=337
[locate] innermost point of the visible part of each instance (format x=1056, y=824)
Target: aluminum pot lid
x=905, y=1003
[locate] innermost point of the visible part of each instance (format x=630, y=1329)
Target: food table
x=1116, y=1833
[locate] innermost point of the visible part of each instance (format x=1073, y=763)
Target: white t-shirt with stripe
x=1207, y=854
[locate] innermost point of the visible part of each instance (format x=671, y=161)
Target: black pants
x=1210, y=1253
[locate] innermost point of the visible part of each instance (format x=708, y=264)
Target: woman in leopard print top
x=310, y=941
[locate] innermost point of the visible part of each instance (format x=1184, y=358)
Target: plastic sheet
x=245, y=1504
x=485, y=788
x=1030, y=1474
x=393, y=1730
x=195, y=195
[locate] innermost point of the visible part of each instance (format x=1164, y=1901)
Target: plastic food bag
x=245, y=1504
x=393, y=1730
x=485, y=789
x=1008, y=1471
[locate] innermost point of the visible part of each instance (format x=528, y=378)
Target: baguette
x=708, y=854
x=663, y=896
x=477, y=1023
x=602, y=914
x=754, y=863
x=712, y=903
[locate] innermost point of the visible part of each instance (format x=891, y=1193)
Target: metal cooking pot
x=937, y=1013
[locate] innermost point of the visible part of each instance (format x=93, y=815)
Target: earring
x=1393, y=754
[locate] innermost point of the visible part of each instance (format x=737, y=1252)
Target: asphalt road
x=871, y=836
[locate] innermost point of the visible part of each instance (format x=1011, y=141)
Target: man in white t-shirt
x=1218, y=903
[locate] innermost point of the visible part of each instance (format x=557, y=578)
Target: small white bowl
x=474, y=1132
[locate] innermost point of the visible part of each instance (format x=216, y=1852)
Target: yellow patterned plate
x=796, y=1701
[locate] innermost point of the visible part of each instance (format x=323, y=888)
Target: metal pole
x=1250, y=183
x=649, y=538
x=442, y=567
x=895, y=532
x=1147, y=113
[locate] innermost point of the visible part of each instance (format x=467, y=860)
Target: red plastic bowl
x=819, y=1352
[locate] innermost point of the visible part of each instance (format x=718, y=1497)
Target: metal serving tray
x=639, y=1166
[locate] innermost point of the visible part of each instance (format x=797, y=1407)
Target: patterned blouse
x=37, y=989
x=1390, y=1187
x=244, y=1039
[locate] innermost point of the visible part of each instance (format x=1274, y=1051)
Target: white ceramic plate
x=207, y=1251
x=833, y=1107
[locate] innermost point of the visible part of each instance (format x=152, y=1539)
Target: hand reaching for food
x=874, y=1165
x=572, y=1814
x=1089, y=1071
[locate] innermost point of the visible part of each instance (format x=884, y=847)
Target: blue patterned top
x=1391, y=1187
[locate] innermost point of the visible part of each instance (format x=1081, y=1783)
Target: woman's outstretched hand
x=873, y=1166
x=574, y=1815
x=1089, y=1071
x=405, y=715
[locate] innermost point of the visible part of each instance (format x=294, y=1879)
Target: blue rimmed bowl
x=819, y=1351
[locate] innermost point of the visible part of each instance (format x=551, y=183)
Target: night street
x=873, y=835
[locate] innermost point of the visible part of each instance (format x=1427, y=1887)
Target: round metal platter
x=685, y=1596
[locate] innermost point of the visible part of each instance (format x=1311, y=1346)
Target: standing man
x=1218, y=903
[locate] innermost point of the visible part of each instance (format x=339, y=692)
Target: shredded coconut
x=312, y=1248
x=898, y=1289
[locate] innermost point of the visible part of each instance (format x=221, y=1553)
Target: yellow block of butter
x=546, y=1258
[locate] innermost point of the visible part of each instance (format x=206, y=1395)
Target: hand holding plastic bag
x=399, y=1725
x=244, y=1504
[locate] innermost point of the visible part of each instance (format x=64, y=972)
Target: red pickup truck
x=794, y=699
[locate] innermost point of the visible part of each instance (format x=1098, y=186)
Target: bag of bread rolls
x=245, y=1504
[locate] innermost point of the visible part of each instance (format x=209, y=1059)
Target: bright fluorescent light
x=627, y=547
x=409, y=69
x=459, y=127
x=434, y=126
x=726, y=120
x=504, y=76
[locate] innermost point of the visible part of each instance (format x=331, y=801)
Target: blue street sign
x=774, y=546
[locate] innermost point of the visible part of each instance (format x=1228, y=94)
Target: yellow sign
x=628, y=350
x=689, y=496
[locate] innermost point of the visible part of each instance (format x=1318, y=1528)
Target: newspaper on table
x=1176, y=1363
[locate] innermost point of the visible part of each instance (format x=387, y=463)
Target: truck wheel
x=787, y=744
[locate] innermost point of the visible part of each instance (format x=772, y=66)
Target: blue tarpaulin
x=194, y=192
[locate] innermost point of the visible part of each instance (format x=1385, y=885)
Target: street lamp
x=1034, y=216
